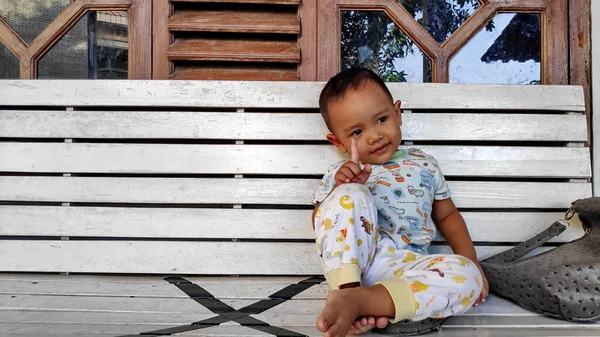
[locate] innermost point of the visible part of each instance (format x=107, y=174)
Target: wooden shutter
x=227, y=39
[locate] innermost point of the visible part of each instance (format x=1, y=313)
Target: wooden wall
x=290, y=39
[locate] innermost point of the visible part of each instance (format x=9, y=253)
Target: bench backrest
x=218, y=177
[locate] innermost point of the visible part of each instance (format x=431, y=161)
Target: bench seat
x=125, y=305
x=144, y=207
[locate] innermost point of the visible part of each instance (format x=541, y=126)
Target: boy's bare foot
x=341, y=309
x=364, y=324
x=345, y=305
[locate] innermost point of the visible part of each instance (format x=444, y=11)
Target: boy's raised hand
x=351, y=172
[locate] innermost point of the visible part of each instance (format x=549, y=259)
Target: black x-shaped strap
x=225, y=313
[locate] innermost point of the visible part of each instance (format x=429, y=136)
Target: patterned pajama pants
x=352, y=251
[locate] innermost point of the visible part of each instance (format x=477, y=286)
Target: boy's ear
x=398, y=110
x=336, y=142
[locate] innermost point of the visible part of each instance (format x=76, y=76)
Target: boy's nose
x=374, y=138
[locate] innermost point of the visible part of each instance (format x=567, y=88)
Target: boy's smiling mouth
x=381, y=149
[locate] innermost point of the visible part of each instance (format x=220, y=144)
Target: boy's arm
x=453, y=227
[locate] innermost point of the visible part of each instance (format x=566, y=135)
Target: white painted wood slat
x=143, y=309
x=102, y=330
x=157, y=288
x=282, y=126
x=171, y=257
x=477, y=161
x=247, y=288
x=471, y=194
x=238, y=291
x=17, y=329
x=244, y=94
x=99, y=310
x=222, y=223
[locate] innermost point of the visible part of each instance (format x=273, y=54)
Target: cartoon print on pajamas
x=427, y=180
x=414, y=222
x=398, y=193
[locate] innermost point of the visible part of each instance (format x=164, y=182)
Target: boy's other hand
x=351, y=172
x=485, y=289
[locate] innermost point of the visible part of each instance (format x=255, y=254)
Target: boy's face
x=369, y=116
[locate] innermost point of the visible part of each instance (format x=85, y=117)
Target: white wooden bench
x=123, y=183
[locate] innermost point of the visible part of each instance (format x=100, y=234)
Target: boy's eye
x=382, y=119
x=356, y=132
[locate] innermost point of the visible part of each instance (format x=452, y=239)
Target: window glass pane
x=370, y=39
x=507, y=51
x=9, y=64
x=95, y=48
x=30, y=17
x=440, y=18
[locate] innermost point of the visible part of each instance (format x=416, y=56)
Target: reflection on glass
x=9, y=64
x=507, y=52
x=370, y=39
x=95, y=48
x=440, y=18
x=30, y=17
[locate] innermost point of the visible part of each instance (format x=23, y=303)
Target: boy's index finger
x=354, y=152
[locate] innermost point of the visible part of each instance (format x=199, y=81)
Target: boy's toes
x=381, y=322
x=362, y=325
x=361, y=330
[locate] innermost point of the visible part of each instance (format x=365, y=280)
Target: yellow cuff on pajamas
x=403, y=298
x=349, y=273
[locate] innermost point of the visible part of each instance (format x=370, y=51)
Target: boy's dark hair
x=339, y=85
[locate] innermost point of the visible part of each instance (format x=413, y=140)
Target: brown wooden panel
x=211, y=49
x=519, y=5
x=234, y=73
x=579, y=50
x=235, y=20
x=140, y=44
x=308, y=40
x=328, y=35
x=11, y=39
x=161, y=38
x=271, y=2
x=555, y=62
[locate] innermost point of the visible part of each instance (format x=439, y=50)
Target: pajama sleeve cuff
x=349, y=273
x=403, y=298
